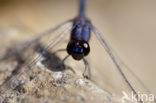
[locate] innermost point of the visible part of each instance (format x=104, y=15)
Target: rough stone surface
x=42, y=85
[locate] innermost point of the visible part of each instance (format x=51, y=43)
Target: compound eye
x=85, y=45
x=86, y=48
x=78, y=50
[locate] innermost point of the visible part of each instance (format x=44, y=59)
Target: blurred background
x=128, y=25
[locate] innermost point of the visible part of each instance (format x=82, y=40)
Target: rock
x=41, y=85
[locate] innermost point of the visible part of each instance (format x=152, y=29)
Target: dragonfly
x=78, y=46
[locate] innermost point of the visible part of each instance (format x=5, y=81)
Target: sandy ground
x=128, y=26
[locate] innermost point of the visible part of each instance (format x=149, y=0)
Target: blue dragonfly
x=78, y=46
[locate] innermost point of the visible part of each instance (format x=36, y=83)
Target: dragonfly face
x=78, y=45
x=78, y=49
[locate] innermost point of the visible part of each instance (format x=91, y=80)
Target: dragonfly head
x=78, y=49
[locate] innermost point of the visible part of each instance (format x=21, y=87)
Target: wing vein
x=108, y=50
x=5, y=87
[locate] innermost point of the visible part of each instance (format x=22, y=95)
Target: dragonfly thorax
x=78, y=46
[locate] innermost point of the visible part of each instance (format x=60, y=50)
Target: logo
x=137, y=97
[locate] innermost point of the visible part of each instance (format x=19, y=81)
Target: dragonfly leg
x=64, y=59
x=59, y=50
x=87, y=67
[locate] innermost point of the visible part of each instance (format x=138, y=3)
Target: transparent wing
x=127, y=76
x=27, y=44
x=48, y=40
